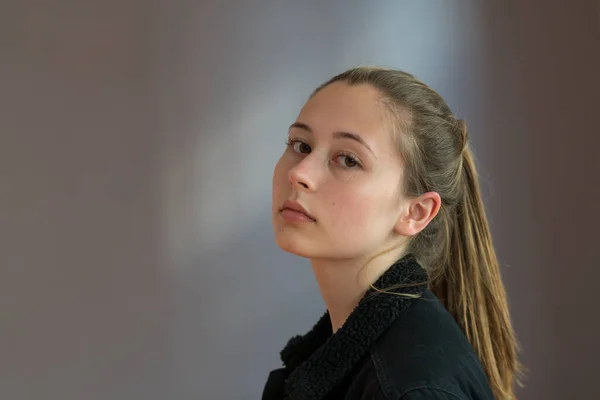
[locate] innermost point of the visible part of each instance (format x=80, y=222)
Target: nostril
x=298, y=182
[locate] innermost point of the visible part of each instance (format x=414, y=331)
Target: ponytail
x=470, y=286
x=456, y=246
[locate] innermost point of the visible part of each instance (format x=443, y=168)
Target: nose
x=304, y=175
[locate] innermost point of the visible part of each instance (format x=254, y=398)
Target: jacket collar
x=319, y=361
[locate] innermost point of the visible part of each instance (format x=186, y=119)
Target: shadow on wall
x=544, y=91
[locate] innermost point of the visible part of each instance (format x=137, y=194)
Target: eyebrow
x=337, y=135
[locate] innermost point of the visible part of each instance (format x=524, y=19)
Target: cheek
x=366, y=207
x=354, y=210
x=355, y=224
x=279, y=180
x=278, y=174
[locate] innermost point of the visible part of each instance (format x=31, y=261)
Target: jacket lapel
x=319, y=361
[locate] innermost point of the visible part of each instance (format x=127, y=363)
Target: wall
x=84, y=293
x=136, y=150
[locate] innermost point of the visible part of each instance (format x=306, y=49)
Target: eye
x=348, y=161
x=299, y=146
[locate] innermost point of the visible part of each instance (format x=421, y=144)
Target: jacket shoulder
x=370, y=384
x=274, y=387
x=425, y=355
x=427, y=393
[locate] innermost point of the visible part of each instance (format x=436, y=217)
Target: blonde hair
x=456, y=247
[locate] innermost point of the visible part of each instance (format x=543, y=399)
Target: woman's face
x=343, y=169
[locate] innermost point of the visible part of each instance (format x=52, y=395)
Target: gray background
x=137, y=142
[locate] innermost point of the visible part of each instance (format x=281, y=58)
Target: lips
x=295, y=208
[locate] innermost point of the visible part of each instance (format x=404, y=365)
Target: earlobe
x=403, y=226
x=420, y=212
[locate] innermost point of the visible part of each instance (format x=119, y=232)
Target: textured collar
x=319, y=361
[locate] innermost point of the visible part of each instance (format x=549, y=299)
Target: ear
x=418, y=213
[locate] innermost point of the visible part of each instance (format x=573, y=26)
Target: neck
x=344, y=282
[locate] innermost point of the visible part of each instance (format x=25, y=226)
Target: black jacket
x=391, y=347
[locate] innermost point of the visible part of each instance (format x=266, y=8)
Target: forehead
x=343, y=107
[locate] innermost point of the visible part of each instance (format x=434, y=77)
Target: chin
x=294, y=243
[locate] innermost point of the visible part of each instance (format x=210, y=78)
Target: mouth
x=293, y=211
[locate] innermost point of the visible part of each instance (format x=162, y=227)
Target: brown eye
x=350, y=162
x=347, y=161
x=301, y=147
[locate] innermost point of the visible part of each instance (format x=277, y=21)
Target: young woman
x=378, y=188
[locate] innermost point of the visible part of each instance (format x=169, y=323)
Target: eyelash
x=292, y=142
